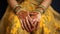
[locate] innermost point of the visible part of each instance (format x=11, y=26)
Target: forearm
x=46, y=3
x=43, y=6
x=12, y=3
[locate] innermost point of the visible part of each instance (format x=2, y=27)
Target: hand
x=35, y=15
x=36, y=18
x=26, y=20
x=29, y=20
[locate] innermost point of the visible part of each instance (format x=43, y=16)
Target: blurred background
x=3, y=5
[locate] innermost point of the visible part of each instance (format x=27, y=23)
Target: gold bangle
x=16, y=8
x=41, y=6
x=41, y=11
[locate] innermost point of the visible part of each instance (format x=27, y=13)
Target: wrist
x=17, y=8
x=41, y=9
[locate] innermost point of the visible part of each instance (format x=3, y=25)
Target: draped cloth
x=49, y=23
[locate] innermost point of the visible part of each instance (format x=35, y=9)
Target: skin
x=29, y=20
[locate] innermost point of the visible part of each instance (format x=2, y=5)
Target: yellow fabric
x=49, y=23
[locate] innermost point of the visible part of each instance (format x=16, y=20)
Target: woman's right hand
x=26, y=21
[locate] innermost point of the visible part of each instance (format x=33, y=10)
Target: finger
x=35, y=27
x=36, y=24
x=22, y=24
x=25, y=26
x=34, y=20
x=30, y=21
x=32, y=29
x=28, y=24
x=31, y=24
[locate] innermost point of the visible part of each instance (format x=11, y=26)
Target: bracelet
x=41, y=6
x=16, y=8
x=41, y=11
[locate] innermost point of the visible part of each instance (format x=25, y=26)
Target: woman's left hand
x=36, y=18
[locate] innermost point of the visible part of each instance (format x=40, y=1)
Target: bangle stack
x=41, y=9
x=38, y=10
x=41, y=6
x=16, y=8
